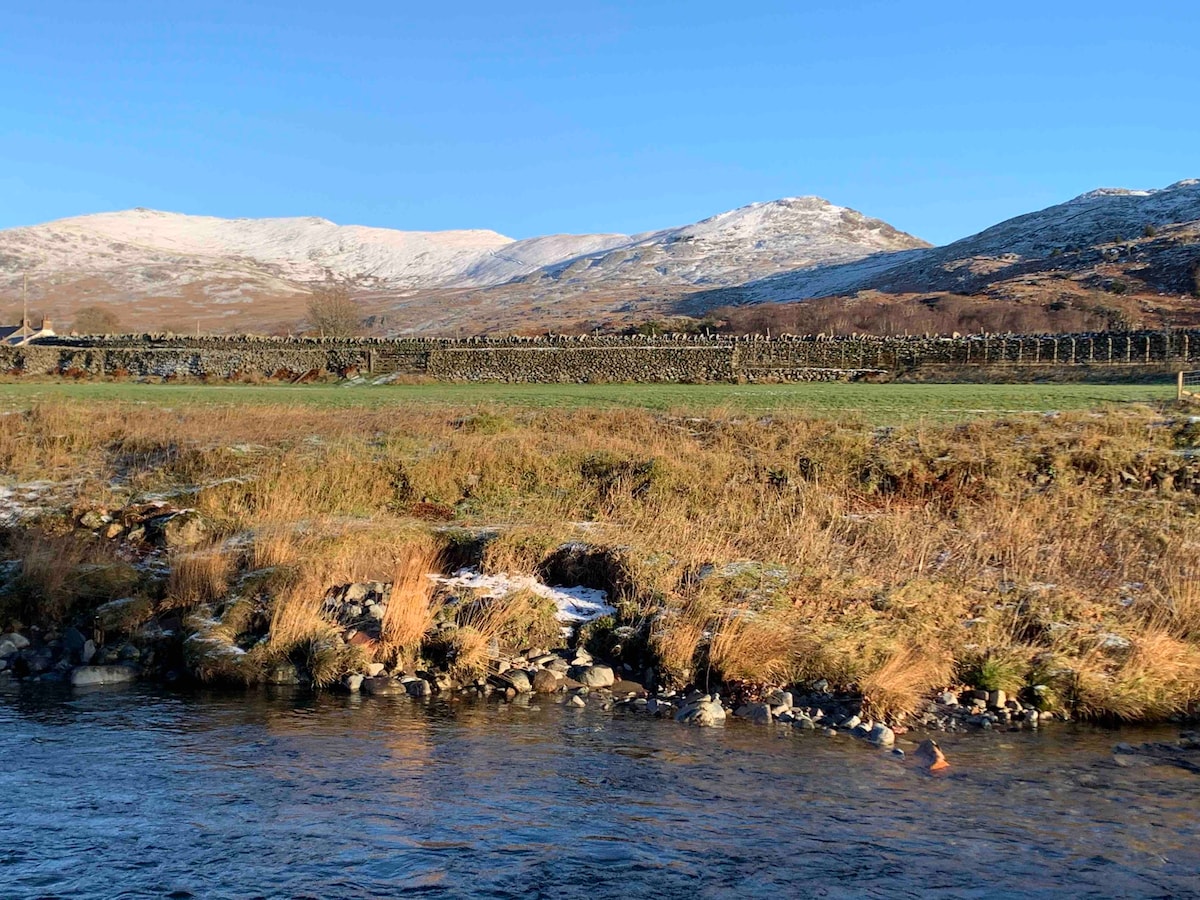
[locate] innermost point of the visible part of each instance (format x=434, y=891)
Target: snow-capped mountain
x=158, y=270
x=1064, y=237
x=149, y=259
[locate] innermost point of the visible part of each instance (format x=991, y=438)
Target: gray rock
x=997, y=699
x=518, y=679
x=356, y=592
x=577, y=701
x=545, y=681
x=181, y=529
x=381, y=686
x=881, y=736
x=88, y=653
x=704, y=712
x=948, y=698
x=759, y=713
x=374, y=669
x=595, y=676
x=801, y=721
x=73, y=640
x=559, y=666
x=285, y=673
x=782, y=699
x=129, y=652
x=19, y=641
x=92, y=519
x=418, y=687
x=7, y=648
x=850, y=723
x=353, y=683
x=93, y=676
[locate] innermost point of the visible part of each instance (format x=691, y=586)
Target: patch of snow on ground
x=576, y=605
x=20, y=501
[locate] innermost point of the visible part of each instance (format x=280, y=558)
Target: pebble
x=577, y=701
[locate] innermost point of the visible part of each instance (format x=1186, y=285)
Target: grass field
x=874, y=402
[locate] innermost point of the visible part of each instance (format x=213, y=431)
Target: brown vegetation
x=1031, y=552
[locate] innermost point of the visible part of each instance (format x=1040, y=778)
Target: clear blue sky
x=539, y=117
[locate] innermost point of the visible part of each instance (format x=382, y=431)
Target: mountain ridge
x=163, y=268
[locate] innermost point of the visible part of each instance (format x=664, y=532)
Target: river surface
x=142, y=792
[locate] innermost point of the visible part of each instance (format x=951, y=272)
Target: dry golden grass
x=198, y=577
x=498, y=624
x=1015, y=539
x=413, y=604
x=907, y=677
x=674, y=638
x=275, y=545
x=750, y=647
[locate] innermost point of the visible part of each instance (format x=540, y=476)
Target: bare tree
x=333, y=313
x=96, y=320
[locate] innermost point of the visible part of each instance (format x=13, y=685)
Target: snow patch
x=575, y=605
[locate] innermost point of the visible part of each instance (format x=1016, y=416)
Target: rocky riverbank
x=979, y=575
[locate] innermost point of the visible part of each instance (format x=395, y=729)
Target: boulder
x=374, y=669
x=594, y=676
x=182, y=529
x=73, y=640
x=352, y=683
x=418, y=687
x=518, y=680
x=704, y=712
x=93, y=519
x=881, y=736
x=781, y=699
x=545, y=681
x=93, y=676
x=16, y=641
x=381, y=686
x=759, y=713
x=625, y=688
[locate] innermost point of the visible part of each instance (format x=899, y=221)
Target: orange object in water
x=930, y=756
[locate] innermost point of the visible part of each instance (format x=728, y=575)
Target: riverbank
x=988, y=573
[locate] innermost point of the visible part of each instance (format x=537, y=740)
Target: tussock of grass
x=905, y=679
x=413, y=604
x=752, y=648
x=199, y=577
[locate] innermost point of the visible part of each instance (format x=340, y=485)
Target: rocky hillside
x=1131, y=240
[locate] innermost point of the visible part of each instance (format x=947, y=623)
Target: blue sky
x=533, y=118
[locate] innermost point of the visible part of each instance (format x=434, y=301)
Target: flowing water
x=148, y=793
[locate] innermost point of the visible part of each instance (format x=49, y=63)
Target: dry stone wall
x=684, y=358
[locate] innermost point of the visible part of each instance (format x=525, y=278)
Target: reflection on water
x=143, y=793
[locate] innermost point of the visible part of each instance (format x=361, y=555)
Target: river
x=147, y=792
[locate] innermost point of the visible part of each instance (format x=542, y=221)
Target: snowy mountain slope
x=736, y=246
x=139, y=241
x=162, y=263
x=1057, y=237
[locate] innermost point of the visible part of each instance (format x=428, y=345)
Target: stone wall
x=683, y=358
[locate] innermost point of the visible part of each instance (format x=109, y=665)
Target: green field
x=875, y=402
